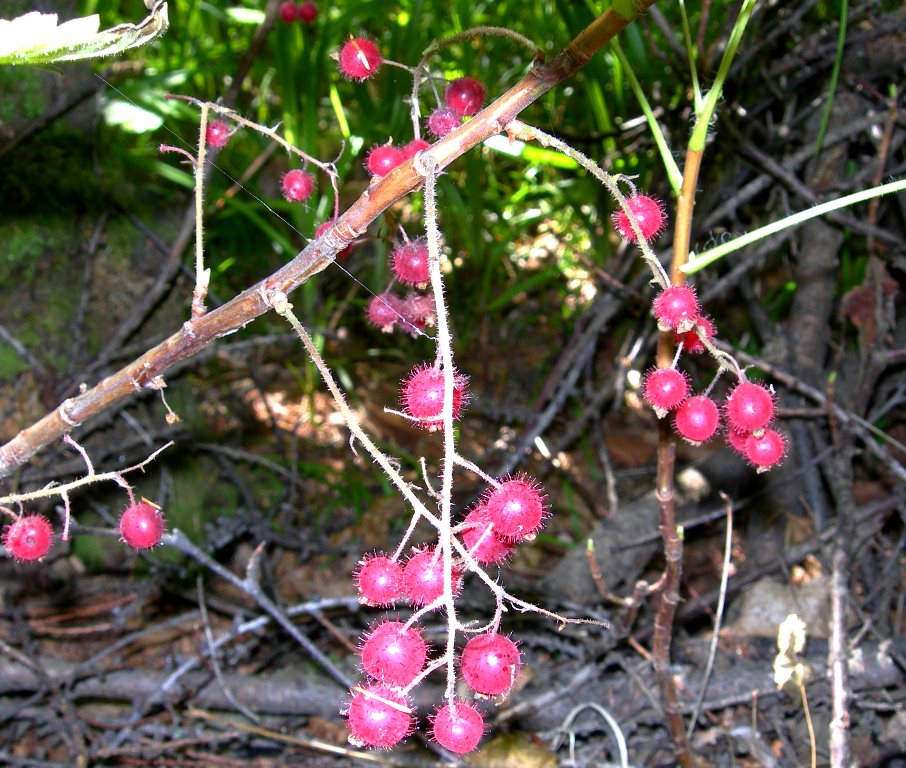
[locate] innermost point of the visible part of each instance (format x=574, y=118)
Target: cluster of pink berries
x=749, y=409
x=305, y=12
x=385, y=157
x=415, y=312
x=30, y=537
x=463, y=97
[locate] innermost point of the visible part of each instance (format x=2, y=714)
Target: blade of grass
x=835, y=74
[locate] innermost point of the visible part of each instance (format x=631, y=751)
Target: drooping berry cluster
x=415, y=311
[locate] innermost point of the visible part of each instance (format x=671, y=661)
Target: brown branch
x=200, y=332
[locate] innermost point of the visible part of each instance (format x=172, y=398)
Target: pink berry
x=750, y=407
x=696, y=419
x=384, y=311
x=383, y=159
x=490, y=664
x=378, y=716
x=457, y=727
x=690, y=339
x=443, y=121
x=307, y=12
x=765, y=450
x=217, y=134
x=422, y=395
x=409, y=262
x=379, y=580
x=322, y=228
x=28, y=538
x=737, y=441
x=360, y=58
x=418, y=311
x=464, y=96
x=649, y=215
x=297, y=185
x=423, y=577
x=414, y=147
x=516, y=508
x=483, y=544
x=664, y=389
x=676, y=308
x=393, y=654
x=142, y=525
x=288, y=12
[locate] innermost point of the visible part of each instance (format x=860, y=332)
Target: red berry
x=482, y=544
x=765, y=450
x=217, y=134
x=383, y=159
x=322, y=228
x=288, y=12
x=516, y=508
x=665, y=389
x=750, y=407
x=676, y=308
x=142, y=525
x=457, y=727
x=360, y=58
x=737, y=441
x=307, y=12
x=649, y=215
x=297, y=185
x=422, y=395
x=423, y=577
x=378, y=716
x=443, y=121
x=384, y=311
x=414, y=147
x=464, y=96
x=490, y=664
x=28, y=538
x=418, y=311
x=409, y=262
x=393, y=654
x=696, y=420
x=379, y=580
x=690, y=339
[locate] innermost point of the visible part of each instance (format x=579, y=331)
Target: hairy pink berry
x=483, y=544
x=696, y=419
x=307, y=12
x=414, y=147
x=490, y=664
x=765, y=450
x=217, y=134
x=737, y=440
x=383, y=159
x=750, y=407
x=409, y=262
x=423, y=577
x=378, y=716
x=422, y=395
x=676, y=308
x=457, y=727
x=443, y=121
x=393, y=654
x=418, y=311
x=648, y=213
x=28, y=538
x=379, y=580
x=322, y=228
x=142, y=525
x=516, y=508
x=690, y=339
x=664, y=389
x=288, y=11
x=464, y=96
x=360, y=58
x=297, y=185
x=384, y=311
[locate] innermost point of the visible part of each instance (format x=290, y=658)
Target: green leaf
x=36, y=38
